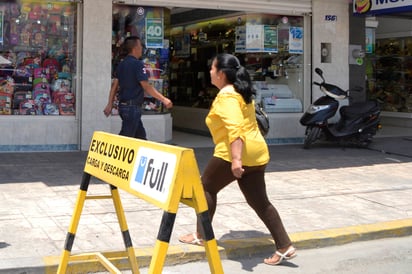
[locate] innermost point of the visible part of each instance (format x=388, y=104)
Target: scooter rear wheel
x=312, y=134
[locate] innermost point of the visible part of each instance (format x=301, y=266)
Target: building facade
x=87, y=43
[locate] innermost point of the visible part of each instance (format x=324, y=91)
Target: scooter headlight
x=313, y=109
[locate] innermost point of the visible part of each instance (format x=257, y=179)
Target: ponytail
x=236, y=74
x=243, y=84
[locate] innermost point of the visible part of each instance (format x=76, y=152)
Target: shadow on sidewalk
x=329, y=156
x=66, y=168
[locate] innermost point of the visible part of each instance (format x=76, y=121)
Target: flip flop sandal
x=195, y=240
x=293, y=255
x=289, y=254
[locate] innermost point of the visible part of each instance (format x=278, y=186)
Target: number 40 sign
x=154, y=33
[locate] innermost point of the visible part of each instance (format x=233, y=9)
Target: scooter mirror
x=320, y=72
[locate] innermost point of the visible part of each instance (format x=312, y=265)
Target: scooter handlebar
x=316, y=83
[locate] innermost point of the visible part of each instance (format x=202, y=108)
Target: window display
x=150, y=24
x=269, y=46
x=37, y=57
x=178, y=56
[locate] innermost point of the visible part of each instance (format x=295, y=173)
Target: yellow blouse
x=230, y=118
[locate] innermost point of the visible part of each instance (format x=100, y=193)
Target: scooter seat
x=358, y=108
x=355, y=117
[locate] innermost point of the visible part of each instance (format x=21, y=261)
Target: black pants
x=218, y=174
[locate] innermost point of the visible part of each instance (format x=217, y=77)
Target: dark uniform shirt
x=129, y=73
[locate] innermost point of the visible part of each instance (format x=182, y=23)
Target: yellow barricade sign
x=143, y=168
x=163, y=175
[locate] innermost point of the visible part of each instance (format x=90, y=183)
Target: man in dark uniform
x=132, y=83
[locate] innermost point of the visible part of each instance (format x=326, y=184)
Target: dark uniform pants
x=132, y=125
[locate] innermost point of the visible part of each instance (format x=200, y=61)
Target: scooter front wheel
x=311, y=135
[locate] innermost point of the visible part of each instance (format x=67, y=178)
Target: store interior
x=389, y=61
x=192, y=37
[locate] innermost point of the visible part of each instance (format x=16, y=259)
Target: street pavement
x=327, y=195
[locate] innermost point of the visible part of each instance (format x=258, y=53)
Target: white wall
x=336, y=33
x=96, y=68
x=34, y=133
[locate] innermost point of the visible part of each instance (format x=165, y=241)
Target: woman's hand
x=236, y=150
x=237, y=168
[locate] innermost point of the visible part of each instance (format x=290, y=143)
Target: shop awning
x=290, y=7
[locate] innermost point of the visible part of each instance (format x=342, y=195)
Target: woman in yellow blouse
x=240, y=153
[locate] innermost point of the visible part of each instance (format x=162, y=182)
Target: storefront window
x=37, y=57
x=389, y=72
x=269, y=46
x=151, y=25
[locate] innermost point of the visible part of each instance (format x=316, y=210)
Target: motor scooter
x=357, y=125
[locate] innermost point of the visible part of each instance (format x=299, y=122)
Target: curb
x=339, y=236
x=228, y=249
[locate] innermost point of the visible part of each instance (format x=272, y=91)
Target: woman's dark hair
x=236, y=74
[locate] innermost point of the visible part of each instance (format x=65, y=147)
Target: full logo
x=153, y=173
